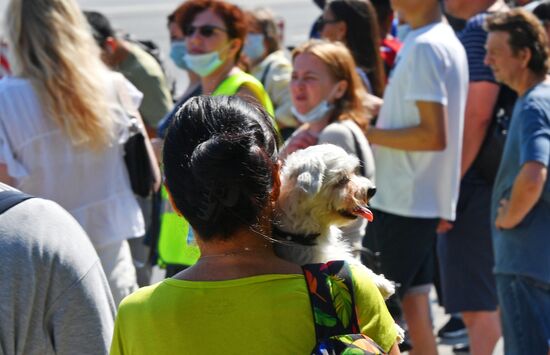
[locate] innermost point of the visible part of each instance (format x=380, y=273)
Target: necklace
x=236, y=252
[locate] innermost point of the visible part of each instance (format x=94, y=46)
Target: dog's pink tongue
x=364, y=212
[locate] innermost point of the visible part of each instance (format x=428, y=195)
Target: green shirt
x=265, y=314
x=142, y=70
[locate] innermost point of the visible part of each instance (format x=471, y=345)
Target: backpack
x=488, y=159
x=10, y=198
x=333, y=305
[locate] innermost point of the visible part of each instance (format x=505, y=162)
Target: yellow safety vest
x=176, y=244
x=230, y=85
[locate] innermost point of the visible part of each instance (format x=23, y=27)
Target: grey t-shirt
x=54, y=297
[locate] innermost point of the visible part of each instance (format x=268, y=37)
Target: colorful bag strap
x=331, y=294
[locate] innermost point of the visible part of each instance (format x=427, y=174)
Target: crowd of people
x=446, y=104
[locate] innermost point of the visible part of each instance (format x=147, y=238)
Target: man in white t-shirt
x=417, y=148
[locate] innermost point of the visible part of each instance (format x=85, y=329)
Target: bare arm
x=482, y=97
x=394, y=350
x=526, y=191
x=4, y=177
x=154, y=161
x=429, y=135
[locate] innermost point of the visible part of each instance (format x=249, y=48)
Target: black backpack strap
x=264, y=74
x=358, y=152
x=10, y=198
x=331, y=294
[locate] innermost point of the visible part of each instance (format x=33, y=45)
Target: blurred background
x=146, y=20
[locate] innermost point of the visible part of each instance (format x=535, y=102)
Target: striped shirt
x=473, y=38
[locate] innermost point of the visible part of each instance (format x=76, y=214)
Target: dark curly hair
x=219, y=158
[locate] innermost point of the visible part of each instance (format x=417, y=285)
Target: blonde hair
x=339, y=61
x=52, y=46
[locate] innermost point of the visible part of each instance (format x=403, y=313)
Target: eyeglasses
x=321, y=22
x=205, y=31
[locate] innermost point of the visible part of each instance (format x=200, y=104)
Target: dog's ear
x=310, y=180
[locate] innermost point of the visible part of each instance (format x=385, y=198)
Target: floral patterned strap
x=336, y=327
x=331, y=295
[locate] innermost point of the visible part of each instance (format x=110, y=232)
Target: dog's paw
x=385, y=286
x=400, y=334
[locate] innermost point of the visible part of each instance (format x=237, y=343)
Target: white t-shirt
x=93, y=186
x=432, y=67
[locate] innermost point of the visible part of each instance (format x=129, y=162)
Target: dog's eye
x=342, y=182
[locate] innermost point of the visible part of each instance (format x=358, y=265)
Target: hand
x=304, y=140
x=503, y=220
x=157, y=144
x=301, y=140
x=444, y=226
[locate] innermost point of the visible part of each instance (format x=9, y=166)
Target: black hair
x=219, y=155
x=542, y=11
x=362, y=38
x=100, y=25
x=383, y=8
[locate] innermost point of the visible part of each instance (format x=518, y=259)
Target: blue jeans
x=525, y=314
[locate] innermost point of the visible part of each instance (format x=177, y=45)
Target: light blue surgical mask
x=254, y=46
x=178, y=49
x=313, y=115
x=203, y=64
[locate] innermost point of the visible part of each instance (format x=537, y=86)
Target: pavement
x=444, y=347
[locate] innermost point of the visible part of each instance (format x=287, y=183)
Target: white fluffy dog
x=320, y=192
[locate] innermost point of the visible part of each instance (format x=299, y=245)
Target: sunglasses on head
x=205, y=30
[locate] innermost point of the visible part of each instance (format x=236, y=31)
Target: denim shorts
x=525, y=314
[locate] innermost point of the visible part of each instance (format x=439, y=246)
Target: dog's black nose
x=371, y=192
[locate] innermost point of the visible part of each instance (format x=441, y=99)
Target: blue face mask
x=178, y=50
x=254, y=46
x=203, y=64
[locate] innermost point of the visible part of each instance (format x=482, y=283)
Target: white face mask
x=316, y=113
x=203, y=64
x=313, y=115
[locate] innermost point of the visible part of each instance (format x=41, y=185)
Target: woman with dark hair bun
x=355, y=23
x=220, y=161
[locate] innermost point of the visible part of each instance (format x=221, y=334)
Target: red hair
x=233, y=17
